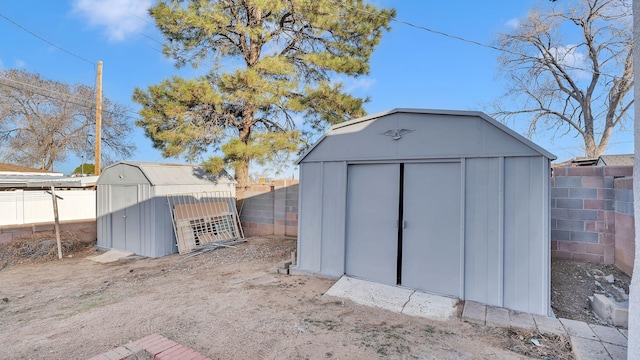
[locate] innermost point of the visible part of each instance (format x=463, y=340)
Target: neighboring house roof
x=20, y=177
x=603, y=160
x=584, y=161
x=9, y=169
x=616, y=160
x=479, y=114
x=175, y=174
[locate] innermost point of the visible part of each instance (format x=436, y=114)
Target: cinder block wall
x=583, y=212
x=624, y=225
x=269, y=209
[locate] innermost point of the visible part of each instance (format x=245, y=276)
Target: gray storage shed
x=447, y=202
x=132, y=209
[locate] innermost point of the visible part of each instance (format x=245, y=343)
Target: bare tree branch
x=42, y=121
x=570, y=65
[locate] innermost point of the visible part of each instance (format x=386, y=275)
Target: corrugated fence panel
x=30, y=207
x=526, y=253
x=333, y=218
x=76, y=204
x=310, y=223
x=11, y=208
x=483, y=264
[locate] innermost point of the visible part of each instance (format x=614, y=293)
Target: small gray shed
x=448, y=202
x=132, y=209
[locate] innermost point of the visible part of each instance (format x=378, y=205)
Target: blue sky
x=411, y=68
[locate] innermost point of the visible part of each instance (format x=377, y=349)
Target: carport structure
x=448, y=202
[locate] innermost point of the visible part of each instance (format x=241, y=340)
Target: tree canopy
x=570, y=69
x=44, y=121
x=85, y=168
x=266, y=63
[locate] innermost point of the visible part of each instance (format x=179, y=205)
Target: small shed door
x=372, y=215
x=431, y=234
x=125, y=218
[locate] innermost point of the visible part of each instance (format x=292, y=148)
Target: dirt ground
x=226, y=304
x=573, y=282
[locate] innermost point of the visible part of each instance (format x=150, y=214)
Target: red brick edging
x=156, y=346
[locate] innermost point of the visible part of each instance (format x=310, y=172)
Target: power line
x=90, y=107
x=459, y=38
x=90, y=101
x=578, y=148
x=41, y=88
x=47, y=41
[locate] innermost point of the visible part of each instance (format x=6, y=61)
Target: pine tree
x=273, y=61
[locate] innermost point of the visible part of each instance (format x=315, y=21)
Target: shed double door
x=403, y=225
x=125, y=219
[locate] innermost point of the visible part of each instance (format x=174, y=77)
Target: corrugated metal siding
x=163, y=190
x=526, y=232
x=310, y=217
x=333, y=218
x=103, y=222
x=506, y=250
x=146, y=204
x=483, y=241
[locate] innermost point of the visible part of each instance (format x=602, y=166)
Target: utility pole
x=98, y=117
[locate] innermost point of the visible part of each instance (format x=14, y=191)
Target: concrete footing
x=613, y=313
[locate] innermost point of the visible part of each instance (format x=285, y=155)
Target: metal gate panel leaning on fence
x=203, y=218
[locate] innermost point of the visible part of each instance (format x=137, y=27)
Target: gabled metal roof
x=175, y=174
x=479, y=114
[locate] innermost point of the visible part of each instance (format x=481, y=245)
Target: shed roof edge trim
x=141, y=165
x=480, y=114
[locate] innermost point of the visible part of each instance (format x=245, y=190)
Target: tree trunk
x=633, y=342
x=242, y=174
x=590, y=148
x=242, y=164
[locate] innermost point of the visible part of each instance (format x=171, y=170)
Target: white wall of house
x=36, y=206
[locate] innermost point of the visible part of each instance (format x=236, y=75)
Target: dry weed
x=38, y=247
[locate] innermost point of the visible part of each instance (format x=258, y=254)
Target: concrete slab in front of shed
x=393, y=298
x=431, y=306
x=110, y=256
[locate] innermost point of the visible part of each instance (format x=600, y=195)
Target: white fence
x=36, y=206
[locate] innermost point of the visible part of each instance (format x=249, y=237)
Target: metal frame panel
x=200, y=218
